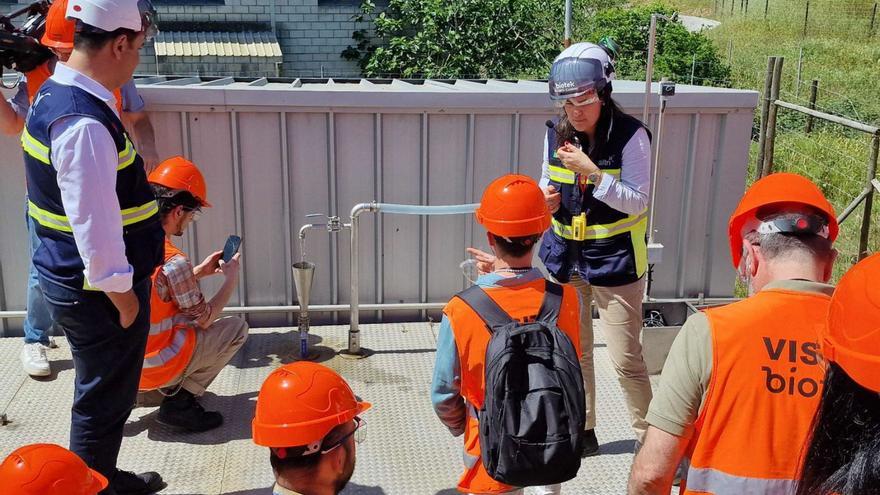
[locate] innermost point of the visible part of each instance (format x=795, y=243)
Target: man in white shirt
x=99, y=227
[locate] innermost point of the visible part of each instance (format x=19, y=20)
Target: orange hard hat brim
x=299, y=434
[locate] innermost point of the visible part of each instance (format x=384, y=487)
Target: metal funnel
x=303, y=274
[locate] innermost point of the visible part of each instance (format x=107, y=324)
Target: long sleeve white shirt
x=628, y=194
x=85, y=159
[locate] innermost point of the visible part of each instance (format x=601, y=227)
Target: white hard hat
x=580, y=68
x=110, y=15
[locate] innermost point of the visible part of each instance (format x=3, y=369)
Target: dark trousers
x=108, y=361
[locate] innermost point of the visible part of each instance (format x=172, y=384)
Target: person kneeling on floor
x=309, y=418
x=188, y=344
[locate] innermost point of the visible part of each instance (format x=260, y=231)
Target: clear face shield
x=149, y=19
x=576, y=81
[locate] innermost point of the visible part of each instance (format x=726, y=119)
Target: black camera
x=667, y=88
x=20, y=48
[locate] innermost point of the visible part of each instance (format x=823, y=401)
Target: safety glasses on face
x=196, y=213
x=359, y=432
x=149, y=19
x=588, y=98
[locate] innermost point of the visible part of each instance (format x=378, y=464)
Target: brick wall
x=311, y=35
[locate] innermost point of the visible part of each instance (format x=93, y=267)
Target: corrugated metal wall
x=274, y=152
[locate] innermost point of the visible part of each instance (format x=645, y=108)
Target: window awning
x=219, y=44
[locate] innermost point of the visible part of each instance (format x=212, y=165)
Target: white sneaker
x=34, y=360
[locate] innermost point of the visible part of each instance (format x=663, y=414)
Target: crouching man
x=188, y=344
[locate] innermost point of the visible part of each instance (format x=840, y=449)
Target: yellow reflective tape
x=34, y=148
x=640, y=247
x=127, y=155
x=48, y=219
x=134, y=215
x=593, y=232
x=88, y=286
x=560, y=174
x=54, y=221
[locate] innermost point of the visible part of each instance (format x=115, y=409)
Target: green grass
x=839, y=53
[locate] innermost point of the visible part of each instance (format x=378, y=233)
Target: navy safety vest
x=608, y=249
x=58, y=259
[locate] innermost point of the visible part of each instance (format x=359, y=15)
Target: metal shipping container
x=276, y=150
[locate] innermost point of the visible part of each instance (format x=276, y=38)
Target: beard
x=348, y=470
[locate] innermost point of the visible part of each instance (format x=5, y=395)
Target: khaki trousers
x=620, y=320
x=215, y=347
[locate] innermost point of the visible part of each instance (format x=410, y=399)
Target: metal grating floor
x=407, y=451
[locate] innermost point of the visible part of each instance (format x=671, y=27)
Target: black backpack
x=533, y=414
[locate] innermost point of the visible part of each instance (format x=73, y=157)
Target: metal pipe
x=319, y=308
x=663, y=103
x=649, y=71
x=354, y=345
x=566, y=42
x=354, y=338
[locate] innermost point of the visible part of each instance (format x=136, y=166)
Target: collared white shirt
x=85, y=159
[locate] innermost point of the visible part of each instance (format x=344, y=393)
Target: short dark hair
x=294, y=460
x=93, y=40
x=169, y=200
x=516, y=246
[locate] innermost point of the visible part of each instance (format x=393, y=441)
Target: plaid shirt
x=177, y=281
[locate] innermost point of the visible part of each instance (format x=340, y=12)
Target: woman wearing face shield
x=596, y=180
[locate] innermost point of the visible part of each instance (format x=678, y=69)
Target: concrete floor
x=406, y=452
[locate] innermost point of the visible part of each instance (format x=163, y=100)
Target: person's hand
x=551, y=196
x=128, y=306
x=485, y=261
x=210, y=266
x=150, y=157
x=230, y=269
x=576, y=160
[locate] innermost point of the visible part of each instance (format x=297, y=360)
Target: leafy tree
x=518, y=39
x=676, y=47
x=462, y=38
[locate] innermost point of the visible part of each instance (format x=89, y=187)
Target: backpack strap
x=487, y=309
x=551, y=304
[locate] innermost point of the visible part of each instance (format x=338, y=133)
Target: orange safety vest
x=172, y=337
x=38, y=76
x=765, y=387
x=521, y=302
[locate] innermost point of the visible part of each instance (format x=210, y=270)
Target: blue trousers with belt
x=107, y=360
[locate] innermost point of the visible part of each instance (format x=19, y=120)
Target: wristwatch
x=595, y=177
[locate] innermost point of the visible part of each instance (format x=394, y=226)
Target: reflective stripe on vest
x=54, y=221
x=709, y=480
x=593, y=232
x=167, y=353
x=40, y=151
x=560, y=174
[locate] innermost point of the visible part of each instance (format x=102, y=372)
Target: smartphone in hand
x=233, y=242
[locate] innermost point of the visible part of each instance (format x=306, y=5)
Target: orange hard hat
x=787, y=191
x=59, y=30
x=300, y=403
x=178, y=173
x=852, y=337
x=513, y=206
x=47, y=469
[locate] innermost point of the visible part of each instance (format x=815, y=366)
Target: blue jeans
x=107, y=360
x=38, y=323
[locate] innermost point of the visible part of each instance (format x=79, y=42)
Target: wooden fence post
x=770, y=144
x=869, y=201
x=806, y=17
x=814, y=91
x=765, y=108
